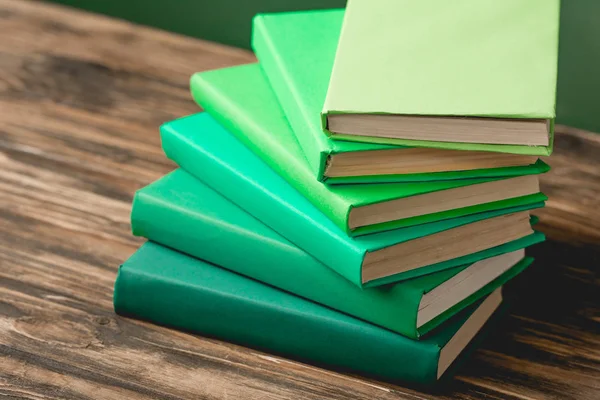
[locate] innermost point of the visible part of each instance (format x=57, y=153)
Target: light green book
x=465, y=74
x=296, y=51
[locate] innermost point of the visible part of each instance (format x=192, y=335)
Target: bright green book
x=296, y=51
x=166, y=287
x=241, y=101
x=183, y=213
x=213, y=155
x=465, y=75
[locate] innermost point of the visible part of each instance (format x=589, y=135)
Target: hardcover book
x=239, y=99
x=182, y=213
x=296, y=51
x=465, y=75
x=169, y=288
x=210, y=153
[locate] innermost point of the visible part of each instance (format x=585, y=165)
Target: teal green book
x=466, y=75
x=296, y=51
x=206, y=150
x=171, y=289
x=241, y=101
x=182, y=213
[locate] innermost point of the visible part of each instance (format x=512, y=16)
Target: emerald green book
x=171, y=289
x=182, y=213
x=296, y=51
x=467, y=75
x=241, y=101
x=206, y=150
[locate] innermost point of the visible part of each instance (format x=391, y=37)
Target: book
x=296, y=51
x=203, y=148
x=467, y=75
x=236, y=99
x=171, y=289
x=182, y=213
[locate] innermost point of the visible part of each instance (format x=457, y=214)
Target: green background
x=229, y=21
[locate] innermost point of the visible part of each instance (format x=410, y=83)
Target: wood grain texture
x=81, y=99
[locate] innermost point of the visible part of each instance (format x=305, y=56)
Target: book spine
x=269, y=258
x=243, y=311
x=283, y=209
x=331, y=87
x=312, y=141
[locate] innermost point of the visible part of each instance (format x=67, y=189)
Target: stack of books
x=357, y=198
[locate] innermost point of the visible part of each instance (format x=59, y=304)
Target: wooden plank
x=573, y=187
x=81, y=99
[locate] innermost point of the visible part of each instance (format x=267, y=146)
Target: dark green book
x=169, y=288
x=181, y=212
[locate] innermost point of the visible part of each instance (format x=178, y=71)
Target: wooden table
x=81, y=99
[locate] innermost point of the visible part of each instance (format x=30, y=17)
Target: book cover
x=296, y=52
x=240, y=100
x=182, y=213
x=204, y=149
x=298, y=68
x=470, y=58
x=171, y=289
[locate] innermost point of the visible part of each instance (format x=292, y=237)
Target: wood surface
x=81, y=100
